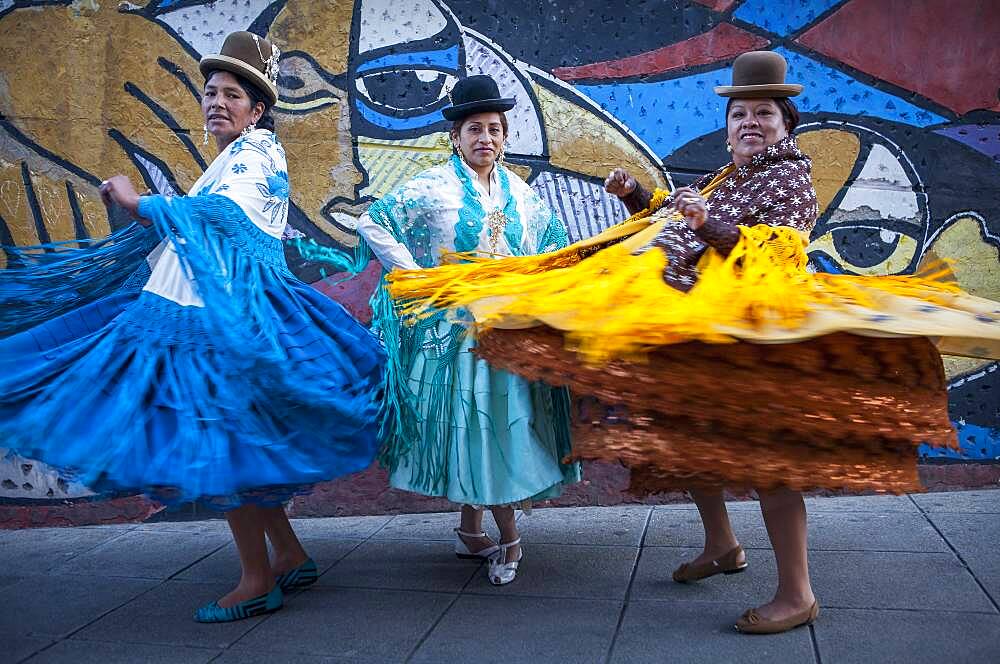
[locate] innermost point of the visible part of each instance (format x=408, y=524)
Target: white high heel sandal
x=462, y=549
x=502, y=573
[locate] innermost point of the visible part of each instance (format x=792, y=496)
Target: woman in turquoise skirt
x=459, y=428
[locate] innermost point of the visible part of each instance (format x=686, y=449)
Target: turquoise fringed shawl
x=45, y=281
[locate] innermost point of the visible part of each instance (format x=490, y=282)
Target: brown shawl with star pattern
x=775, y=188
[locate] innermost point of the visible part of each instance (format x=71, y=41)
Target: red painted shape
x=717, y=5
x=945, y=50
x=721, y=42
x=354, y=293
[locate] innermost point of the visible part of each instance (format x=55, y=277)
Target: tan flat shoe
x=751, y=622
x=728, y=563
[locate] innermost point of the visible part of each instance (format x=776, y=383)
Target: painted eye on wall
x=304, y=87
x=405, y=91
x=400, y=94
x=403, y=99
x=873, y=248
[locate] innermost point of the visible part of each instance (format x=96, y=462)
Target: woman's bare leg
x=286, y=549
x=507, y=523
x=785, y=517
x=719, y=537
x=472, y=522
x=256, y=578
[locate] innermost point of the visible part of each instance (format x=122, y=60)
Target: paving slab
x=846, y=636
x=828, y=530
x=9, y=580
x=552, y=570
x=345, y=527
x=881, y=580
x=522, y=629
x=402, y=565
x=164, y=616
x=54, y=605
x=610, y=526
x=95, y=652
x=975, y=502
x=246, y=657
x=991, y=582
x=976, y=537
x=731, y=506
x=683, y=528
x=224, y=564
x=349, y=625
x=752, y=587
x=144, y=554
x=657, y=632
x=873, y=531
x=40, y=550
x=840, y=504
x=19, y=648
x=432, y=526
x=207, y=525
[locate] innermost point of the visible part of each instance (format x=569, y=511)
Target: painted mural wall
x=901, y=116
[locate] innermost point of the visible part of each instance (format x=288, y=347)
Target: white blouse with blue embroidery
x=252, y=172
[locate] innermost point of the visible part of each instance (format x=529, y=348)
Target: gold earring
x=204, y=140
x=500, y=156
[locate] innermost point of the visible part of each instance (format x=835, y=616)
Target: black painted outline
x=166, y=118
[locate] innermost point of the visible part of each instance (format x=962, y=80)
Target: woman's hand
x=118, y=190
x=620, y=183
x=690, y=203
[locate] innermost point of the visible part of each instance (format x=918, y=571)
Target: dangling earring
x=246, y=130
x=500, y=156
x=204, y=140
x=729, y=148
x=458, y=151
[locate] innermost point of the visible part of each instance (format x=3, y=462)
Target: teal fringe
x=341, y=260
x=71, y=274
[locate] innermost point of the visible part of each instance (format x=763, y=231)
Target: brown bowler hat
x=250, y=56
x=758, y=74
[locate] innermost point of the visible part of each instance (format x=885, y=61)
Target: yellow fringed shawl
x=612, y=302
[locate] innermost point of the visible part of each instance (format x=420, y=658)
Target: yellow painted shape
x=65, y=93
x=321, y=29
x=390, y=163
x=833, y=153
x=14, y=205
x=523, y=172
x=54, y=203
x=583, y=142
x=975, y=264
x=321, y=163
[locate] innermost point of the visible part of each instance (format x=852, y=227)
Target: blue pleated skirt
x=134, y=392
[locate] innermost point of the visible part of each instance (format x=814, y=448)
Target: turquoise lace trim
x=472, y=215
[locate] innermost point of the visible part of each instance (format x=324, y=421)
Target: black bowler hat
x=475, y=94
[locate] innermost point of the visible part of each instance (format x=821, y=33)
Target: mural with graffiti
x=903, y=125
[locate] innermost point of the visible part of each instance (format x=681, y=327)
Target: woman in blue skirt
x=180, y=357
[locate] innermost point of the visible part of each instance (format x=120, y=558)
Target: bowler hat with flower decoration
x=248, y=55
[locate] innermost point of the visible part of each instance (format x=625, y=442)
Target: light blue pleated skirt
x=490, y=437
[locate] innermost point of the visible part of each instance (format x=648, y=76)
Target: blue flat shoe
x=299, y=578
x=258, y=606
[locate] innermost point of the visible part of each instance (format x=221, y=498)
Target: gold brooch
x=496, y=221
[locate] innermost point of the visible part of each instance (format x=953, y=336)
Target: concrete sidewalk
x=899, y=578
